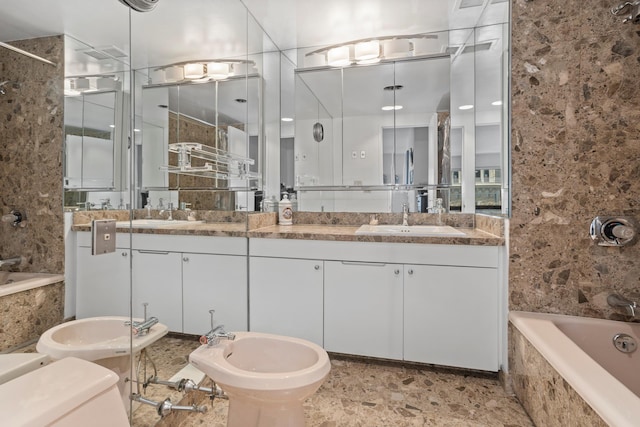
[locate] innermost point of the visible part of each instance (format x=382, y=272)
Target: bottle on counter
x=285, y=213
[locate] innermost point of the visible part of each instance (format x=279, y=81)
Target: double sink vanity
x=419, y=293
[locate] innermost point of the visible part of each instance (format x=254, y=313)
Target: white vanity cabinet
x=104, y=280
x=181, y=277
x=214, y=282
x=157, y=281
x=451, y=316
x=363, y=308
x=286, y=297
x=436, y=304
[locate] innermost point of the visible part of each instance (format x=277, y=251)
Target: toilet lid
x=46, y=394
x=16, y=364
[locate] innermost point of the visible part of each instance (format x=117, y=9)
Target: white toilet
x=13, y=365
x=70, y=392
x=267, y=377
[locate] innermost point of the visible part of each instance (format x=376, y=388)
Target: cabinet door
x=363, y=309
x=217, y=282
x=157, y=280
x=451, y=316
x=102, y=283
x=286, y=297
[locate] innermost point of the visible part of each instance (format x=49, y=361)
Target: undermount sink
x=155, y=223
x=409, y=230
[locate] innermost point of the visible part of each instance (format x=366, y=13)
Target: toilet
x=266, y=377
x=13, y=365
x=69, y=392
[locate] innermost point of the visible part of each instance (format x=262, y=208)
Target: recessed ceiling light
x=391, y=107
x=496, y=103
x=286, y=119
x=465, y=107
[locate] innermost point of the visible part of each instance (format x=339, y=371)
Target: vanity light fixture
x=80, y=84
x=367, y=52
x=496, y=103
x=338, y=56
x=286, y=119
x=397, y=48
x=373, y=50
x=199, y=71
x=218, y=70
x=392, y=107
x=193, y=71
x=465, y=107
x=173, y=74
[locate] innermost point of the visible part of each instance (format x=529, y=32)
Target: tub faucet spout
x=618, y=301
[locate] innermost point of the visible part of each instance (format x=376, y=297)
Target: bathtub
x=11, y=283
x=582, y=352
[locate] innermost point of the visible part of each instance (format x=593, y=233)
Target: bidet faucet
x=215, y=334
x=405, y=214
x=618, y=301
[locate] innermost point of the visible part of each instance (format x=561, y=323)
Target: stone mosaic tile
x=545, y=395
x=369, y=393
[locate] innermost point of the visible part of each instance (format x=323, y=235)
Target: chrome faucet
x=11, y=261
x=142, y=328
x=618, y=301
x=215, y=334
x=170, y=210
x=405, y=214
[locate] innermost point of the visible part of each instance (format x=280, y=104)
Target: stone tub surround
x=31, y=147
x=308, y=226
x=25, y=315
x=546, y=396
x=575, y=151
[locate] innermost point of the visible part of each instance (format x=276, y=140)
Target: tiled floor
x=361, y=393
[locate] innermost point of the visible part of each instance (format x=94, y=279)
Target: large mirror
x=222, y=115
x=379, y=130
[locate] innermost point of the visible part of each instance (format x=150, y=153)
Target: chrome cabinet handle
x=142, y=251
x=317, y=267
x=185, y=259
x=124, y=254
x=410, y=272
x=396, y=271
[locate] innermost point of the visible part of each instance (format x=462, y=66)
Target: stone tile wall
x=575, y=155
x=31, y=141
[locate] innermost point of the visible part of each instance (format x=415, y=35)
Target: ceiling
x=179, y=29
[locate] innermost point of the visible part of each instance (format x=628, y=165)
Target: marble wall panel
x=26, y=315
x=31, y=146
x=575, y=155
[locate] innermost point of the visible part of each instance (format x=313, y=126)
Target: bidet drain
x=624, y=343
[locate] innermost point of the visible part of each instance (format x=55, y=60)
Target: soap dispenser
x=285, y=213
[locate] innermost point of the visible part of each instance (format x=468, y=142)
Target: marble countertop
x=473, y=236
